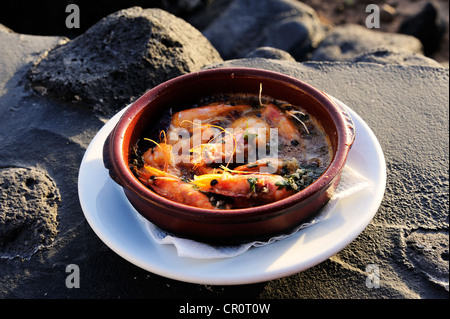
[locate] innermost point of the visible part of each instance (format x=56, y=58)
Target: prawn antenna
x=259, y=95
x=156, y=143
x=292, y=113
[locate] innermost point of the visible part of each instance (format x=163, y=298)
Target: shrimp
x=245, y=135
x=261, y=187
x=253, y=128
x=213, y=144
x=202, y=134
x=173, y=187
x=159, y=156
x=208, y=114
x=172, y=157
x=234, y=143
x=286, y=129
x=219, y=151
x=162, y=157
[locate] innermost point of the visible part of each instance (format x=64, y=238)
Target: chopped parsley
x=300, y=179
x=252, y=182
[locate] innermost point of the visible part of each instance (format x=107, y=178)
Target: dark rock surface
x=345, y=42
x=428, y=252
x=120, y=57
x=43, y=140
x=427, y=26
x=283, y=24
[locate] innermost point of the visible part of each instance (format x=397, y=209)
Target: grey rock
x=28, y=211
x=348, y=41
x=208, y=13
x=270, y=53
x=284, y=24
x=11, y=45
x=121, y=57
x=395, y=56
x=427, y=25
x=428, y=251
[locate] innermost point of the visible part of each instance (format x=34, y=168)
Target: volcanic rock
x=428, y=251
x=246, y=25
x=427, y=26
x=28, y=211
x=270, y=53
x=346, y=42
x=395, y=56
x=121, y=57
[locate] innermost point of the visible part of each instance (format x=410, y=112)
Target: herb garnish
x=252, y=181
x=300, y=179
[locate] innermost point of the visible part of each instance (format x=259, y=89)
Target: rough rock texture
x=345, y=42
x=283, y=24
x=121, y=57
x=395, y=56
x=428, y=252
x=28, y=211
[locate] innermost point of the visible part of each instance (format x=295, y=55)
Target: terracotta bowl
x=237, y=225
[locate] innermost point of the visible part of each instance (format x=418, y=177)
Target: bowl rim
x=129, y=181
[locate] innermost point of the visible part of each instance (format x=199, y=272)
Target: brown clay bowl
x=237, y=225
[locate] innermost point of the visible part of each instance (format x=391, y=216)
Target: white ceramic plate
x=116, y=222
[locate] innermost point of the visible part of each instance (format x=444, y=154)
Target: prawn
x=172, y=157
x=277, y=118
x=253, y=128
x=173, y=187
x=244, y=134
x=261, y=187
x=208, y=114
x=160, y=156
x=219, y=150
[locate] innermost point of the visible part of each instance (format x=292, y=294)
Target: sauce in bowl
x=234, y=151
